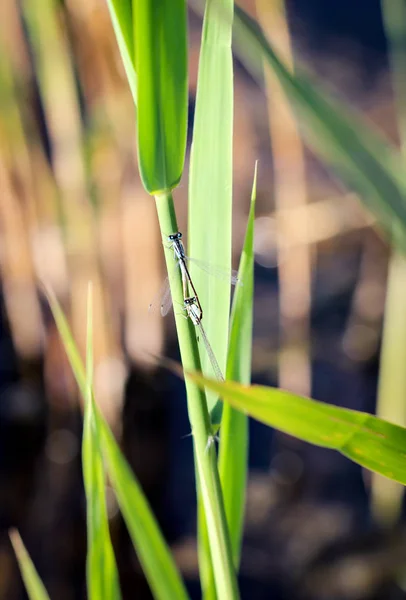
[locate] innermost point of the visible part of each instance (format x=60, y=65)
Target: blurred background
x=72, y=209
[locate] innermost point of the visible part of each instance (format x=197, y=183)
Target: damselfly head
x=190, y=301
x=175, y=236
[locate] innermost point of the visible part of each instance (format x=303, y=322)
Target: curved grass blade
x=371, y=442
x=33, y=584
x=233, y=455
x=161, y=67
x=154, y=554
x=68, y=342
x=152, y=550
x=363, y=158
x=121, y=14
x=101, y=568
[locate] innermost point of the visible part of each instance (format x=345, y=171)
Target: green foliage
x=367, y=440
x=152, y=550
x=162, y=92
x=33, y=584
x=102, y=576
x=152, y=38
x=233, y=457
x=386, y=501
x=205, y=455
x=362, y=157
x=210, y=211
x=121, y=13
x=151, y=547
x=211, y=178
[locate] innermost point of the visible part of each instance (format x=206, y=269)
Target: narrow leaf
x=365, y=439
x=234, y=424
x=121, y=14
x=33, y=584
x=153, y=551
x=363, y=158
x=71, y=349
x=101, y=568
x=161, y=67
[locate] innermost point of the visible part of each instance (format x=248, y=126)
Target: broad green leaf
x=101, y=568
x=121, y=14
x=33, y=584
x=234, y=424
x=210, y=211
x=365, y=439
x=152, y=549
x=210, y=185
x=160, y=39
x=340, y=137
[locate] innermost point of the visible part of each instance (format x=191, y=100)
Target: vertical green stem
x=387, y=495
x=205, y=454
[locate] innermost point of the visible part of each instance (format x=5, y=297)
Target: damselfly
x=175, y=242
x=192, y=306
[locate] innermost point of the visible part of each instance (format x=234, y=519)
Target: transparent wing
x=209, y=350
x=166, y=301
x=219, y=272
x=163, y=299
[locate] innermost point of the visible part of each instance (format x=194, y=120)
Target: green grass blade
x=69, y=344
x=361, y=156
x=121, y=14
x=234, y=425
x=153, y=551
x=210, y=212
x=101, y=568
x=161, y=65
x=365, y=439
x=386, y=497
x=394, y=18
x=33, y=584
x=210, y=187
